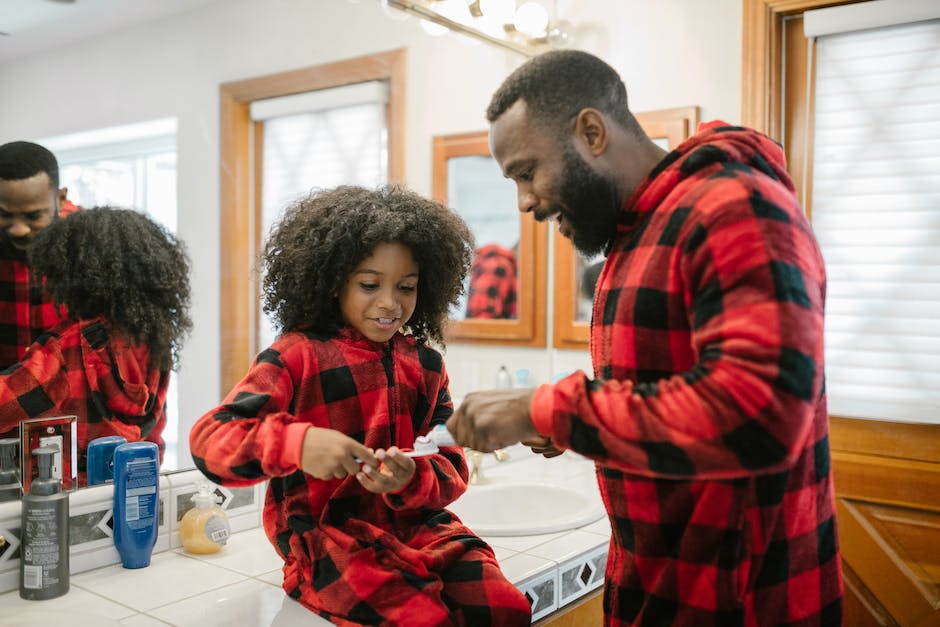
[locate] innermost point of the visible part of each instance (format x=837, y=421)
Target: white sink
x=525, y=508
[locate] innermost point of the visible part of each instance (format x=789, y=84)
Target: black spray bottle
x=44, y=554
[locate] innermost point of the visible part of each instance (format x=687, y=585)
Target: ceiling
x=37, y=25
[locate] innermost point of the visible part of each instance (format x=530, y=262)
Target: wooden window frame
x=529, y=329
x=239, y=231
x=675, y=125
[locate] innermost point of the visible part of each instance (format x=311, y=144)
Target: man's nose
x=527, y=201
x=18, y=228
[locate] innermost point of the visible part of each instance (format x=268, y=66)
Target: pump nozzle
x=45, y=484
x=205, y=496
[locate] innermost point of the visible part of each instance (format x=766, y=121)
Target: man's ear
x=591, y=128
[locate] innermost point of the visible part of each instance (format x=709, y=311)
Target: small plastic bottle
x=503, y=379
x=205, y=528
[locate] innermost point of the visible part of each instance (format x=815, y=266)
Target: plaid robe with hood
x=707, y=414
x=350, y=555
x=78, y=368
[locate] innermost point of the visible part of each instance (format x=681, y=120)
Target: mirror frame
x=529, y=329
x=674, y=125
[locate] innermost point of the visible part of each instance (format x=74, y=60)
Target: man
x=30, y=200
x=707, y=412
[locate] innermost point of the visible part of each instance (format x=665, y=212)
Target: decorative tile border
x=542, y=593
x=581, y=575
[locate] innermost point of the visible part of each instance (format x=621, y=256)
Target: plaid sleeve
x=243, y=441
x=441, y=478
x=743, y=266
x=34, y=386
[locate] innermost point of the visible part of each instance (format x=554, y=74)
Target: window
x=318, y=139
x=876, y=212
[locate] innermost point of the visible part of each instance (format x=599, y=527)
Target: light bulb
x=531, y=19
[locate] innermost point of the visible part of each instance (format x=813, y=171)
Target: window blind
x=876, y=214
x=318, y=140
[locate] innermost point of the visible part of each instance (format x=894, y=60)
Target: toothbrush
x=430, y=443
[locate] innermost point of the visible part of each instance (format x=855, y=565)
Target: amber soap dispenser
x=205, y=528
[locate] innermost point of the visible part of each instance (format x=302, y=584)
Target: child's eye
x=408, y=288
x=369, y=287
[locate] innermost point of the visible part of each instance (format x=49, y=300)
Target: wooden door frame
x=237, y=228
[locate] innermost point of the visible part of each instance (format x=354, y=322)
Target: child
x=360, y=282
x=124, y=281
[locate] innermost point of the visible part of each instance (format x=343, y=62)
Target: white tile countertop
x=240, y=585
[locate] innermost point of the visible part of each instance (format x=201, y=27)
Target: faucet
x=476, y=464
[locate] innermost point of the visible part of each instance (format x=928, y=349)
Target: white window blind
x=876, y=213
x=319, y=140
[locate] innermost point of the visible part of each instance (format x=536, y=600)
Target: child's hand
x=395, y=473
x=330, y=454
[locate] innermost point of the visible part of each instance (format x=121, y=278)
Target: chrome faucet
x=476, y=464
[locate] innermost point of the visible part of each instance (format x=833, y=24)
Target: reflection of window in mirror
x=504, y=300
x=131, y=166
x=575, y=276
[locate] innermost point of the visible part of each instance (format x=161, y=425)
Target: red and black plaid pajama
x=493, y=290
x=352, y=556
x=79, y=368
x=707, y=414
x=26, y=309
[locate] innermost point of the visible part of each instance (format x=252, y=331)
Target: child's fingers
x=397, y=462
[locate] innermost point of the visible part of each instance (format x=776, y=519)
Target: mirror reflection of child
x=360, y=283
x=124, y=280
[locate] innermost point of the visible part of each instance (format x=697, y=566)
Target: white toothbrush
x=430, y=443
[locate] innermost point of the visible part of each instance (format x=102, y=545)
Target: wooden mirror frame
x=529, y=329
x=675, y=125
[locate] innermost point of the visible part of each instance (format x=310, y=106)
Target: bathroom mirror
x=575, y=275
x=505, y=298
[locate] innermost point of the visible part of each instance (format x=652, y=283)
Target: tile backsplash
x=91, y=522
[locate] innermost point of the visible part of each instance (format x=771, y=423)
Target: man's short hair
x=22, y=160
x=557, y=85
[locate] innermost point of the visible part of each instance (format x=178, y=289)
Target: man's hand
x=486, y=421
x=544, y=447
x=330, y=454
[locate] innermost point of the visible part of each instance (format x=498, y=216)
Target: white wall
x=671, y=53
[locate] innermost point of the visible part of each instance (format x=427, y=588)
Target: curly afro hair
x=323, y=237
x=123, y=266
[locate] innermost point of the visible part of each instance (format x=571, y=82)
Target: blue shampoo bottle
x=136, y=502
x=100, y=464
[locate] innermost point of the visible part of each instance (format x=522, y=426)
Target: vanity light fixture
x=526, y=29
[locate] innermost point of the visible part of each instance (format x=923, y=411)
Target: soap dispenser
x=44, y=557
x=503, y=379
x=205, y=528
x=9, y=478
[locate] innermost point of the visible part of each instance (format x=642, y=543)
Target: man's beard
x=591, y=202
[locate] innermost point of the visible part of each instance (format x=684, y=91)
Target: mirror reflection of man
x=493, y=291
x=30, y=200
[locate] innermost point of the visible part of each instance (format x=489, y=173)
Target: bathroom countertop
x=240, y=585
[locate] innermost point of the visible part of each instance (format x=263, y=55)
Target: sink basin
x=525, y=508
